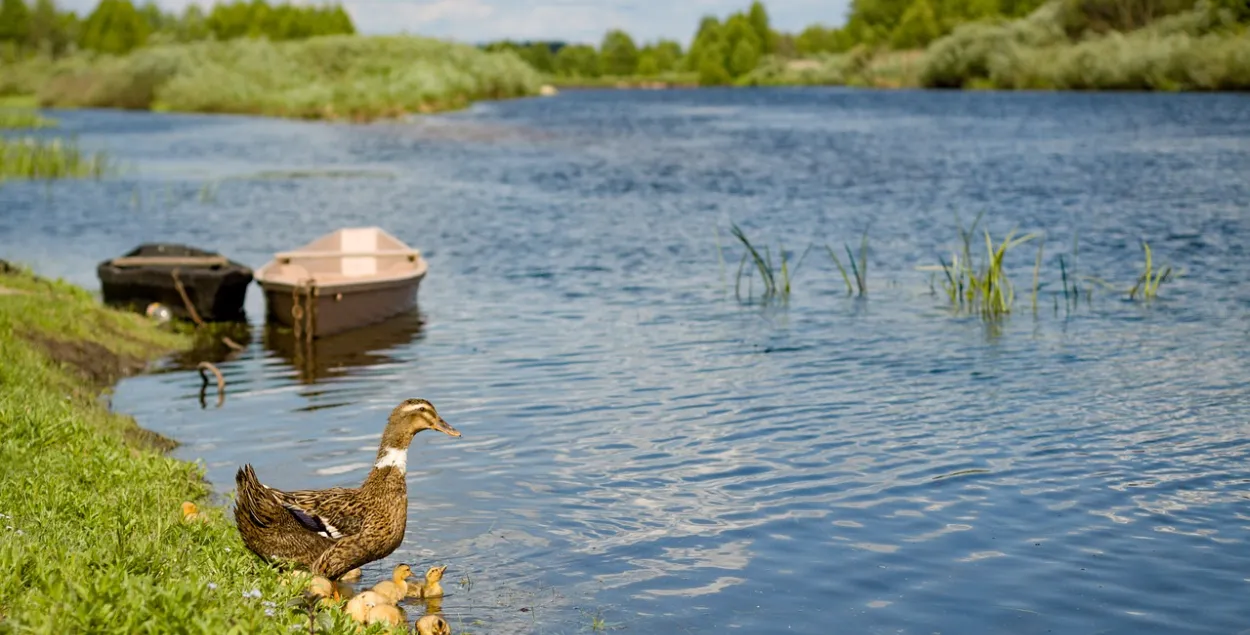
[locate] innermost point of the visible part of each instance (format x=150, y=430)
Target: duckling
x=352, y=576
x=386, y=614
x=324, y=589
x=360, y=605
x=433, y=625
x=431, y=587
x=321, y=586
x=397, y=587
x=191, y=513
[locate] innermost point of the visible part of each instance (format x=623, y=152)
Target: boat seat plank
x=286, y=257
x=147, y=261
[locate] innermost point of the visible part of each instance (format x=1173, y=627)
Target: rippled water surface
x=640, y=445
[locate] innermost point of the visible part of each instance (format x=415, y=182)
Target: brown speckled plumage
x=332, y=531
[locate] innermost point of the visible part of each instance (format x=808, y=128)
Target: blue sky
x=571, y=20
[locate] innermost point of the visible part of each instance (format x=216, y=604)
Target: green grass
x=91, y=538
x=775, y=276
x=23, y=119
x=983, y=289
x=33, y=158
x=353, y=78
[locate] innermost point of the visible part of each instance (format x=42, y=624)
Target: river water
x=644, y=447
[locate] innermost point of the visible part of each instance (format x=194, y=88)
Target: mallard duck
x=397, y=587
x=430, y=588
x=433, y=625
x=332, y=531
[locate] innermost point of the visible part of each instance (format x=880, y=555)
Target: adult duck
x=333, y=531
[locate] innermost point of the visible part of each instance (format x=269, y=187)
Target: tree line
x=722, y=51
x=118, y=26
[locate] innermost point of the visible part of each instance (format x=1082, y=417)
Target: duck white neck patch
x=394, y=457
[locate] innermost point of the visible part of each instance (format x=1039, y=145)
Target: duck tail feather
x=253, y=501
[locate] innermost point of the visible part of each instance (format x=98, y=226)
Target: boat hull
x=339, y=308
x=350, y=278
x=216, y=291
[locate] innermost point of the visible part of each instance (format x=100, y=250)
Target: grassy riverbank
x=333, y=77
x=91, y=538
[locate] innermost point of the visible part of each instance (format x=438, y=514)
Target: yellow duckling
x=433, y=625
x=324, y=589
x=397, y=587
x=386, y=614
x=360, y=605
x=191, y=513
x=431, y=587
x=351, y=576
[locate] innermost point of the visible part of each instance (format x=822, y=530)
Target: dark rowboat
x=349, y=278
x=215, y=285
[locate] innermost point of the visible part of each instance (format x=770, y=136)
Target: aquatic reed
x=860, y=270
x=985, y=290
x=31, y=158
x=775, y=276
x=1150, y=279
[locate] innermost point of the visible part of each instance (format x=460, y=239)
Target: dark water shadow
x=336, y=355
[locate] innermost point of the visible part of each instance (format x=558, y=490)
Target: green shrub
x=323, y=77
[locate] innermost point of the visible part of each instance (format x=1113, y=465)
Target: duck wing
x=333, y=513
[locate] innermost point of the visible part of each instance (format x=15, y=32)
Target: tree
x=577, y=60
x=48, y=33
x=744, y=57
x=711, y=66
x=917, y=28
x=193, y=26
x=14, y=22
x=758, y=16
x=115, y=26
x=707, y=35
x=667, y=55
x=618, y=54
x=539, y=56
x=647, y=66
x=742, y=45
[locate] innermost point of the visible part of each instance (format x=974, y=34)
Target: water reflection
x=337, y=355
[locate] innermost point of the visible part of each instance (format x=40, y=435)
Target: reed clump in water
x=985, y=290
x=775, y=276
x=1147, y=286
x=31, y=158
x=859, y=269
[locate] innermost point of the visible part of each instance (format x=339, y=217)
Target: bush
x=323, y=77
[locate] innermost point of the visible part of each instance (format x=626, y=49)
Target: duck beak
x=445, y=428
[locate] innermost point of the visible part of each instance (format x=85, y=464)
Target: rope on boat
x=302, y=317
x=182, y=291
x=186, y=301
x=221, y=382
